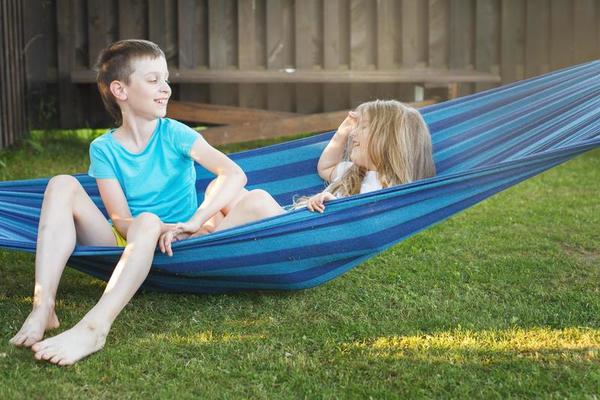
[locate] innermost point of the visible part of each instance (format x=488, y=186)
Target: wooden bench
x=244, y=124
x=435, y=76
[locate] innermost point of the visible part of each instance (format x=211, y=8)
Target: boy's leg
x=67, y=214
x=214, y=221
x=89, y=334
x=253, y=206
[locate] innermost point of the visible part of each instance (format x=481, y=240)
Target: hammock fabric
x=483, y=144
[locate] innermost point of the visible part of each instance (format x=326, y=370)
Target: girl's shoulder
x=340, y=170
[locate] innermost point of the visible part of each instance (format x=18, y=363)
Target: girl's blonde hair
x=399, y=145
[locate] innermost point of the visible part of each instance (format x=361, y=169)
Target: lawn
x=502, y=300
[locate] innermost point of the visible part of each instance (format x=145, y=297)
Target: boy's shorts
x=121, y=241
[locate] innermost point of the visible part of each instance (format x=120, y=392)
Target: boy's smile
x=148, y=91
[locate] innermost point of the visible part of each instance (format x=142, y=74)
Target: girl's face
x=359, y=142
x=148, y=90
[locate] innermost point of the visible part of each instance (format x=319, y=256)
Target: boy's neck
x=138, y=130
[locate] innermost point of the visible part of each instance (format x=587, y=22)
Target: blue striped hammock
x=483, y=144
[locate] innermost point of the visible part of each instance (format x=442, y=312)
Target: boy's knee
x=258, y=195
x=255, y=200
x=148, y=223
x=62, y=184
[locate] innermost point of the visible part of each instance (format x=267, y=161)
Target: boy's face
x=148, y=90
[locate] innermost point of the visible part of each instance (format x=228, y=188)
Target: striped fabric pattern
x=483, y=144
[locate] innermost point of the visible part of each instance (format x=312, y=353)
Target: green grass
x=500, y=301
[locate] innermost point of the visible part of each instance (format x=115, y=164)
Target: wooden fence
x=12, y=74
x=514, y=39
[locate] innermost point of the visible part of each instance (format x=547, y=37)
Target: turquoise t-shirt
x=161, y=179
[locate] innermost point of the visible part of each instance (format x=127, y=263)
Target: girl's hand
x=348, y=124
x=316, y=203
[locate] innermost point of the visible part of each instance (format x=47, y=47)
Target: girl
x=382, y=143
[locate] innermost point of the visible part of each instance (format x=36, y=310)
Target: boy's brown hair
x=114, y=64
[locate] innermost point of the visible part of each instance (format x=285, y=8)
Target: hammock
x=483, y=144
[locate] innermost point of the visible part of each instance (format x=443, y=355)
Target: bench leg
x=453, y=90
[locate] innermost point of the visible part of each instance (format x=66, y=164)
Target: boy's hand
x=187, y=227
x=166, y=239
x=316, y=203
x=178, y=232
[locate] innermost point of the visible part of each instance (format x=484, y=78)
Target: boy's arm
x=116, y=205
x=334, y=151
x=230, y=180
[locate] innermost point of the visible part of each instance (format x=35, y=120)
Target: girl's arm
x=228, y=184
x=334, y=152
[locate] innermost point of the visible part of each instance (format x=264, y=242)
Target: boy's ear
x=118, y=90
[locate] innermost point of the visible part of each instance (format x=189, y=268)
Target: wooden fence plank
x=21, y=128
x=101, y=26
x=5, y=101
x=133, y=19
x=585, y=30
x=162, y=27
x=487, y=39
x=37, y=49
x=3, y=78
x=280, y=45
x=193, y=45
x=251, y=16
x=69, y=103
x=414, y=46
x=222, y=44
x=438, y=22
x=561, y=33
x=335, y=51
x=512, y=51
x=309, y=48
x=363, y=47
x=598, y=28
x=462, y=34
x=387, y=44
x=537, y=45
x=102, y=31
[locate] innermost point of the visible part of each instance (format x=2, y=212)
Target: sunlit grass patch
x=488, y=346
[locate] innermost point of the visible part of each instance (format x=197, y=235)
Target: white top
x=370, y=182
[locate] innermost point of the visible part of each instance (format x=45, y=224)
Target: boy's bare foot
x=71, y=346
x=40, y=319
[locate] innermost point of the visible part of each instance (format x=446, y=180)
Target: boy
x=146, y=178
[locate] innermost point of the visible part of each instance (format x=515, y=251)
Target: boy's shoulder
x=169, y=124
x=102, y=140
